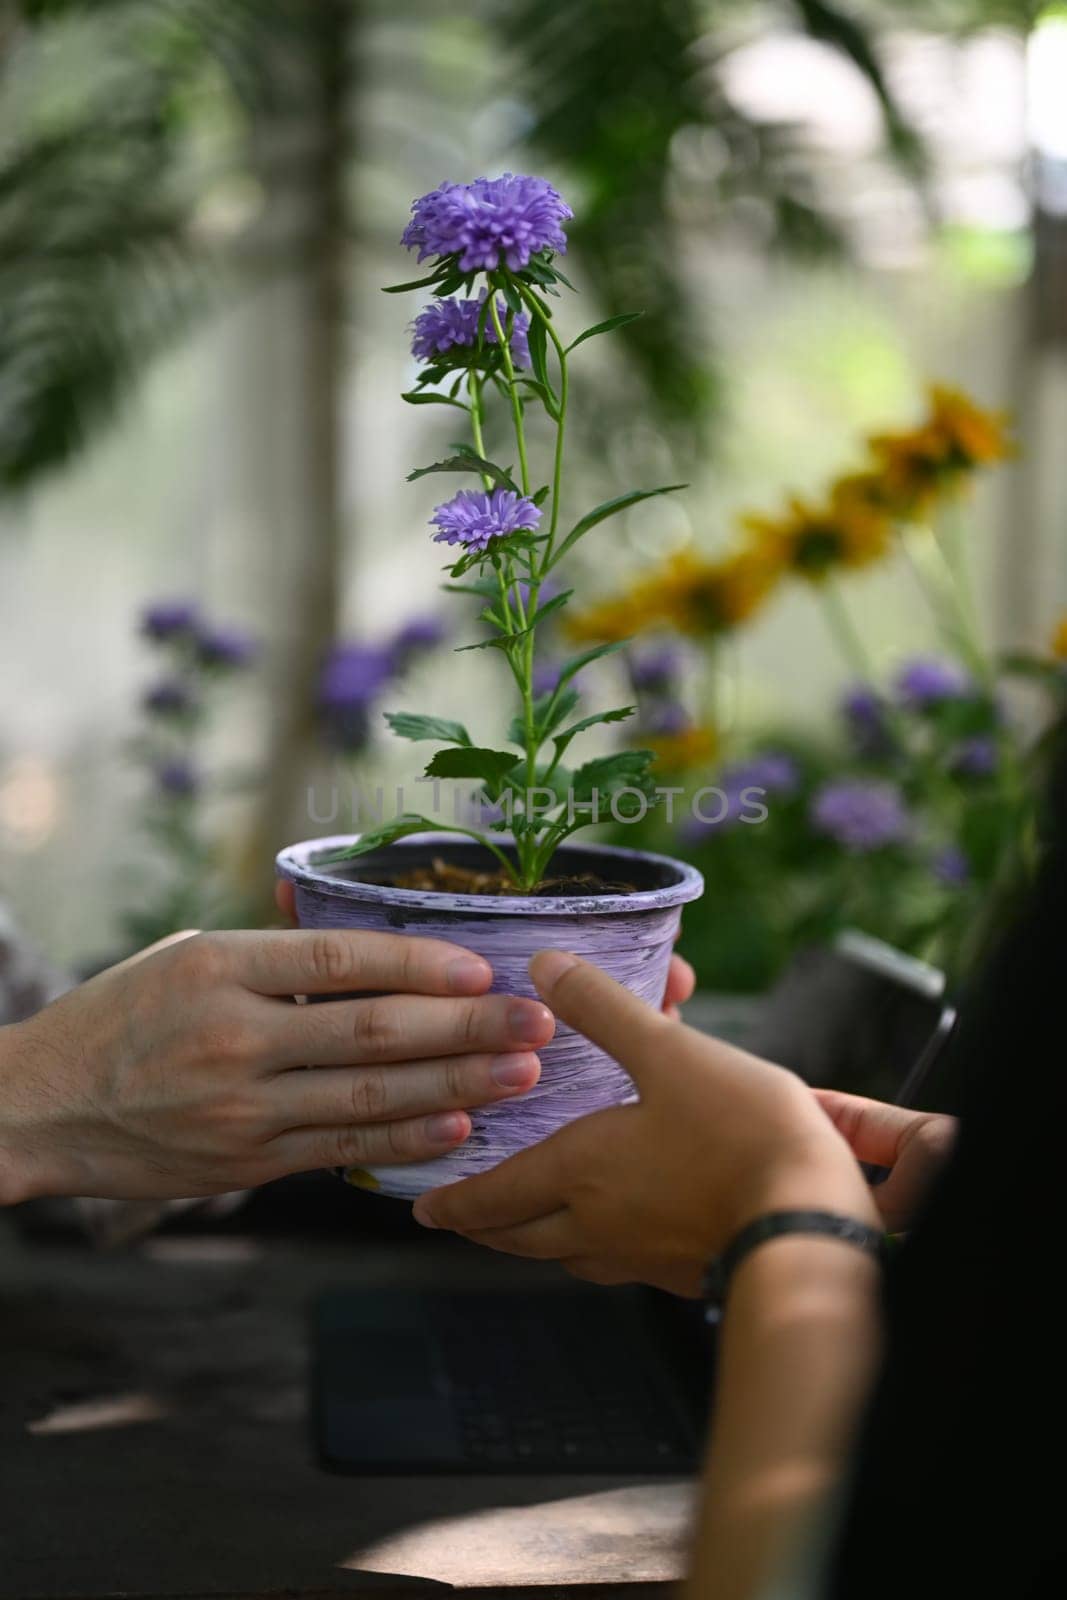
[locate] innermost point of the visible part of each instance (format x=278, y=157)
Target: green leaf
x=572, y=667
x=609, y=775
x=604, y=327
x=557, y=602
x=562, y=740
x=499, y=641
x=408, y=726
x=417, y=397
x=467, y=461
x=414, y=283
x=490, y=766
x=544, y=394
x=484, y=588
x=611, y=508
x=385, y=833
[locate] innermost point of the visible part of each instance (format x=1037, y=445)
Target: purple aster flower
x=446, y=325
x=861, y=814
x=178, y=778
x=167, y=619
x=655, y=670
x=225, y=647
x=416, y=635
x=975, y=757
x=929, y=681
x=170, y=698
x=489, y=223
x=864, y=711
x=475, y=516
x=951, y=867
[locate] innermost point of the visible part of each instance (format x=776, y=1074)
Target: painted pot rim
x=297, y=863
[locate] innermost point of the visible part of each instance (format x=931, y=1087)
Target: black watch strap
x=820, y=1224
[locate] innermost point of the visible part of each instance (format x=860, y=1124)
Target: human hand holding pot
x=652, y=1190
x=183, y=1073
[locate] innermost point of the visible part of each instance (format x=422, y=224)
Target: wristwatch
x=776, y=1224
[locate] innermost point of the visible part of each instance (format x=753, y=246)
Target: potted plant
x=515, y=882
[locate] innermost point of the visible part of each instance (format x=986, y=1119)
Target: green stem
x=513, y=392
x=844, y=632
x=523, y=668
x=537, y=310
x=935, y=577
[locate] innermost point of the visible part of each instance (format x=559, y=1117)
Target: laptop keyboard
x=534, y=1385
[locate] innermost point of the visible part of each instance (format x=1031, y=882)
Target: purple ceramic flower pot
x=629, y=935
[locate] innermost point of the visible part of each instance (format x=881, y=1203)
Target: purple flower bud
x=225, y=647
x=864, y=711
x=169, y=698
x=167, y=619
x=951, y=867
x=654, y=671
x=929, y=681
x=975, y=757
x=178, y=778
x=420, y=633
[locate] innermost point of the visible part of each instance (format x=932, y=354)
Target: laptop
x=576, y=1379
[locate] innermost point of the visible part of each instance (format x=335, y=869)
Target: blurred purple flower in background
x=864, y=713
x=771, y=770
x=861, y=814
x=545, y=676
x=548, y=591
x=474, y=517
x=225, y=647
x=489, y=223
x=177, y=778
x=352, y=679
x=768, y=771
x=928, y=681
x=446, y=325
x=417, y=635
x=951, y=867
x=166, y=619
x=976, y=757
x=654, y=670
x=171, y=697
x=670, y=716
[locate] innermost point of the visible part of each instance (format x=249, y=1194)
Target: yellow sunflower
x=701, y=597
x=690, y=747
x=687, y=592
x=915, y=467
x=976, y=437
x=811, y=541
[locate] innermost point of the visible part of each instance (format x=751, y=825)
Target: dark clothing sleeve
x=958, y=1488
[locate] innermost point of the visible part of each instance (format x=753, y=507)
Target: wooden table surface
x=155, y=1444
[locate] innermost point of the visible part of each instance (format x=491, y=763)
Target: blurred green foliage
x=102, y=260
